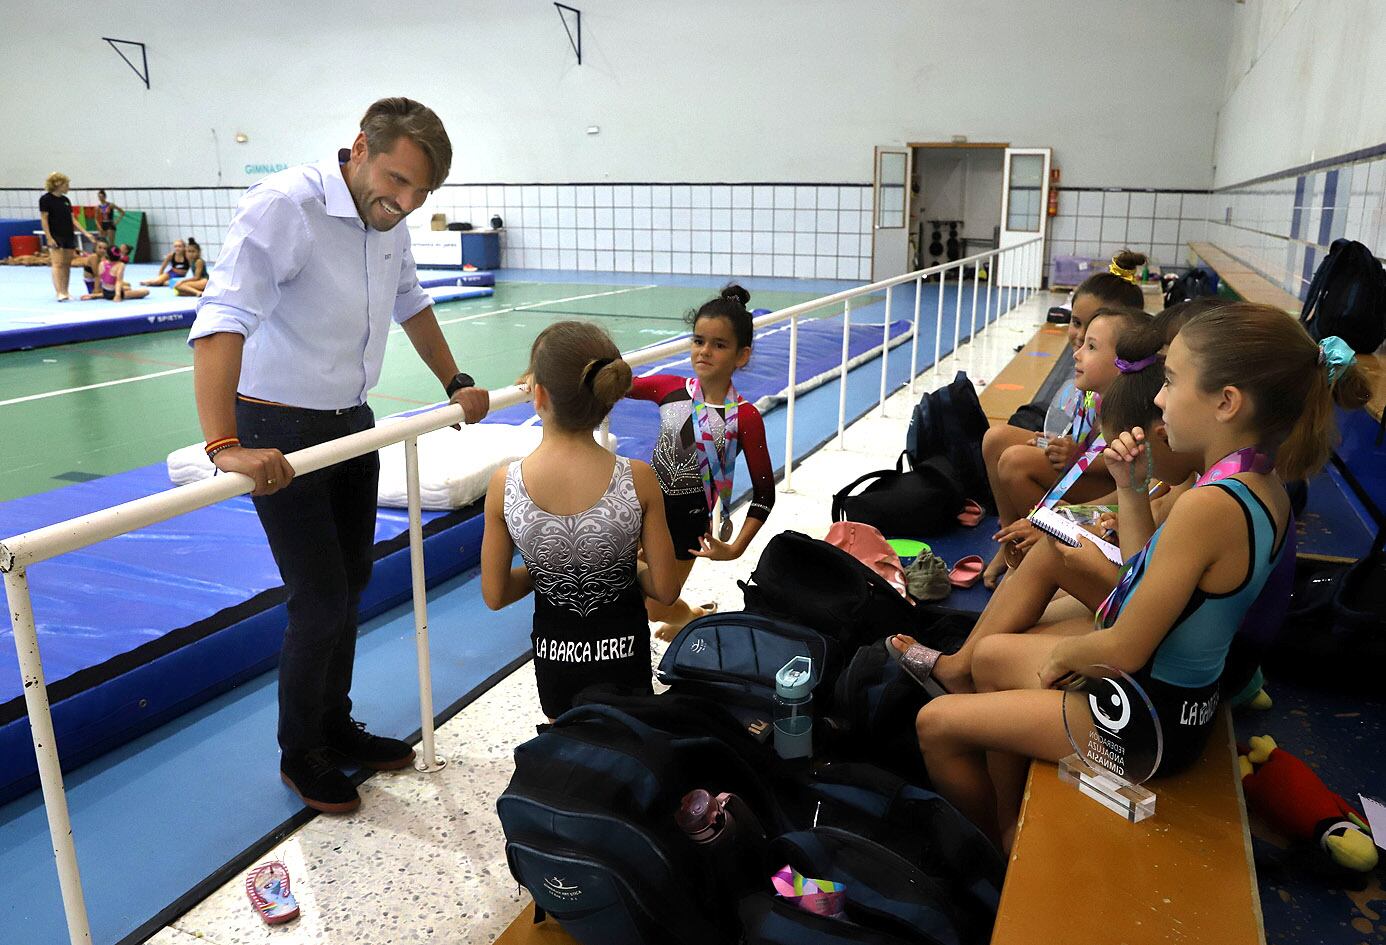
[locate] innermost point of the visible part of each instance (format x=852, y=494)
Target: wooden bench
x=1248, y=284
x=1018, y=382
x=1078, y=872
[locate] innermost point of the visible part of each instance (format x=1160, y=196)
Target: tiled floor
x=423, y=859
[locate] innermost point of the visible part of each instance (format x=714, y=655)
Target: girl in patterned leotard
x=577, y=515
x=703, y=424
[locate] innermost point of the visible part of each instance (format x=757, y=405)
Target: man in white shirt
x=289, y=338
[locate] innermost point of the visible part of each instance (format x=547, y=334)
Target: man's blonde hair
x=56, y=180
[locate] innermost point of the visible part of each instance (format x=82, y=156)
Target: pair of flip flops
x=267, y=886
x=918, y=661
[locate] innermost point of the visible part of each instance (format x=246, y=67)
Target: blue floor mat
x=30, y=317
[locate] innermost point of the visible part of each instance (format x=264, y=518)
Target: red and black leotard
x=675, y=459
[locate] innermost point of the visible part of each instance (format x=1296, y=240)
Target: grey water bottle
x=794, y=709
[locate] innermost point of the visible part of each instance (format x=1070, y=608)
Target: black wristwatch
x=459, y=382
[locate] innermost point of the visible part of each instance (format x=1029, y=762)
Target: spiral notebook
x=1052, y=523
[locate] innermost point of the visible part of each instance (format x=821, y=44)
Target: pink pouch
x=868, y=545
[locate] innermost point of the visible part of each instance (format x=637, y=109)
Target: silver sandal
x=918, y=661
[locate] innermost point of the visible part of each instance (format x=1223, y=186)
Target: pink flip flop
x=967, y=572
x=268, y=888
x=971, y=515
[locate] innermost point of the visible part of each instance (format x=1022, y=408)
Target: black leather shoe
x=318, y=782
x=351, y=741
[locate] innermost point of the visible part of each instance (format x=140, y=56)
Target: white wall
x=713, y=90
x=1303, y=84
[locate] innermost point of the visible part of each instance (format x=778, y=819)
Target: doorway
x=955, y=201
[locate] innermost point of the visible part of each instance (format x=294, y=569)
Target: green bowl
x=908, y=549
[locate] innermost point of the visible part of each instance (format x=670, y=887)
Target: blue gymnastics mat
x=141, y=628
x=31, y=318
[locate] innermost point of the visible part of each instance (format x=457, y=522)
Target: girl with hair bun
x=578, y=515
x=703, y=424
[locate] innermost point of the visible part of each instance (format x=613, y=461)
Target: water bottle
x=794, y=709
x=729, y=840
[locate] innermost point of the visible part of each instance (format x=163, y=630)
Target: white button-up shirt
x=311, y=288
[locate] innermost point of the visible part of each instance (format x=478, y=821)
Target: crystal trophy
x=1116, y=739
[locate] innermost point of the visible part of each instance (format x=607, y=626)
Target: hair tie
x=1337, y=356
x=589, y=375
x=1127, y=274
x=1132, y=367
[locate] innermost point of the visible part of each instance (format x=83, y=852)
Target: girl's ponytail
x=1266, y=354
x=1311, y=441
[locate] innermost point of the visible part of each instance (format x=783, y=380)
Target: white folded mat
x=454, y=465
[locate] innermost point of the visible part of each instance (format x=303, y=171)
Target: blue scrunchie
x=1337, y=355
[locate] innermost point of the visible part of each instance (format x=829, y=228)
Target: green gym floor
x=89, y=409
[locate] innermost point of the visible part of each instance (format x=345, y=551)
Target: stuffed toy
x=1284, y=791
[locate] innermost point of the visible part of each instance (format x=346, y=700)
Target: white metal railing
x=1012, y=274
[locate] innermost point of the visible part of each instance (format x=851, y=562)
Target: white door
x=1024, y=205
x=890, y=233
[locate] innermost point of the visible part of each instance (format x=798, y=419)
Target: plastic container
x=794, y=709
x=24, y=245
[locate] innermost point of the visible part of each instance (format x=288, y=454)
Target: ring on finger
x=269, y=482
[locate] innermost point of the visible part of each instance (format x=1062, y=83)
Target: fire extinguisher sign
x=1053, y=191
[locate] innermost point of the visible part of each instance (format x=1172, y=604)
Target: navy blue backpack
x=1347, y=298
x=590, y=832
x=733, y=657
x=950, y=422
x=889, y=900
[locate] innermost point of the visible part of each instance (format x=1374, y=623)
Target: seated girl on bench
x=1251, y=394
x=1117, y=287
x=1025, y=475
x=1026, y=601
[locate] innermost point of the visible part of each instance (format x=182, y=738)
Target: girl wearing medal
x=1025, y=478
x=703, y=425
x=1026, y=601
x=1252, y=395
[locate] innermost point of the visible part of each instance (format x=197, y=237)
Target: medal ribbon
x=717, y=467
x=1248, y=459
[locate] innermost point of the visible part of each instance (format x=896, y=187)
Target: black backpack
x=733, y=657
x=903, y=503
x=810, y=582
x=589, y=830
x=1335, y=631
x=624, y=766
x=950, y=422
x=885, y=893
x=1347, y=298
x=1194, y=284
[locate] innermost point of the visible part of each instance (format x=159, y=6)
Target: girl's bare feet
x=667, y=630
x=995, y=569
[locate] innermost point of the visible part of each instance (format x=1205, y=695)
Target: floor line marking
x=76, y=390
x=533, y=305
x=183, y=370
